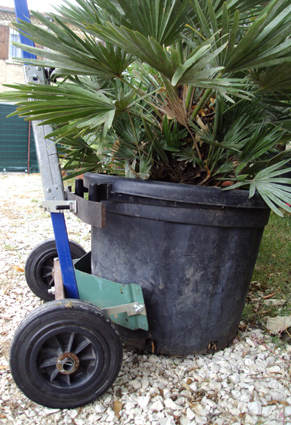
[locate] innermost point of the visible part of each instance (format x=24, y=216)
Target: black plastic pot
x=193, y=251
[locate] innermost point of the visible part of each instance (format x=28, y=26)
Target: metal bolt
x=48, y=190
x=67, y=363
x=138, y=308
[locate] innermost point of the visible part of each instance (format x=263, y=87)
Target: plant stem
x=189, y=96
x=217, y=117
x=200, y=104
x=194, y=143
x=180, y=51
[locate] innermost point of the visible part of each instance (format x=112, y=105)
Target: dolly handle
x=48, y=161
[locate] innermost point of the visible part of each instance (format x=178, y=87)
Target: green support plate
x=124, y=304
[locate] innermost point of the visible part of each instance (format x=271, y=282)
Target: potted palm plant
x=182, y=106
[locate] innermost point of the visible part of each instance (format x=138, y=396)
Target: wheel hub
x=67, y=363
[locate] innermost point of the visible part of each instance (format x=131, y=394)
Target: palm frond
x=275, y=190
x=266, y=41
x=84, y=109
x=72, y=53
x=158, y=19
x=148, y=50
x=192, y=91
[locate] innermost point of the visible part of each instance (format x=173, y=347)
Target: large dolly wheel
x=40, y=264
x=65, y=354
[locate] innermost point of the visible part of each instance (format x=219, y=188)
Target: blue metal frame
x=22, y=12
x=64, y=254
x=58, y=219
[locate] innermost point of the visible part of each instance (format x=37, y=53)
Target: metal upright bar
x=49, y=166
x=22, y=12
x=28, y=147
x=46, y=149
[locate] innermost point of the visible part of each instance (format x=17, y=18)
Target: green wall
x=14, y=135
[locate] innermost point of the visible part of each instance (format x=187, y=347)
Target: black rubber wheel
x=39, y=267
x=65, y=354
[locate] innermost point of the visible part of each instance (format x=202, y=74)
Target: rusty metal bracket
x=88, y=211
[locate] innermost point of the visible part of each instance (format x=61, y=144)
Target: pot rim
x=177, y=192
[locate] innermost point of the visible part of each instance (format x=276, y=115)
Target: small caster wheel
x=65, y=354
x=39, y=267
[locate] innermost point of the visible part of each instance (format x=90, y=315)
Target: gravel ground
x=247, y=383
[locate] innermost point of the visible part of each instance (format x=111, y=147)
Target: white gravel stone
x=184, y=420
x=170, y=404
x=166, y=421
x=157, y=406
x=251, y=419
x=143, y=402
x=255, y=408
x=274, y=369
x=135, y=384
x=268, y=410
x=73, y=413
x=247, y=383
x=277, y=395
x=99, y=408
x=190, y=414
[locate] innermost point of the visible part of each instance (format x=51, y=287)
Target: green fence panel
x=17, y=146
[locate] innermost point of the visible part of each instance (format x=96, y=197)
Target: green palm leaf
x=148, y=50
x=275, y=190
x=162, y=20
x=84, y=109
x=265, y=43
x=194, y=91
x=72, y=53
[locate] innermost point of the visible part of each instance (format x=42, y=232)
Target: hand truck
x=68, y=352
